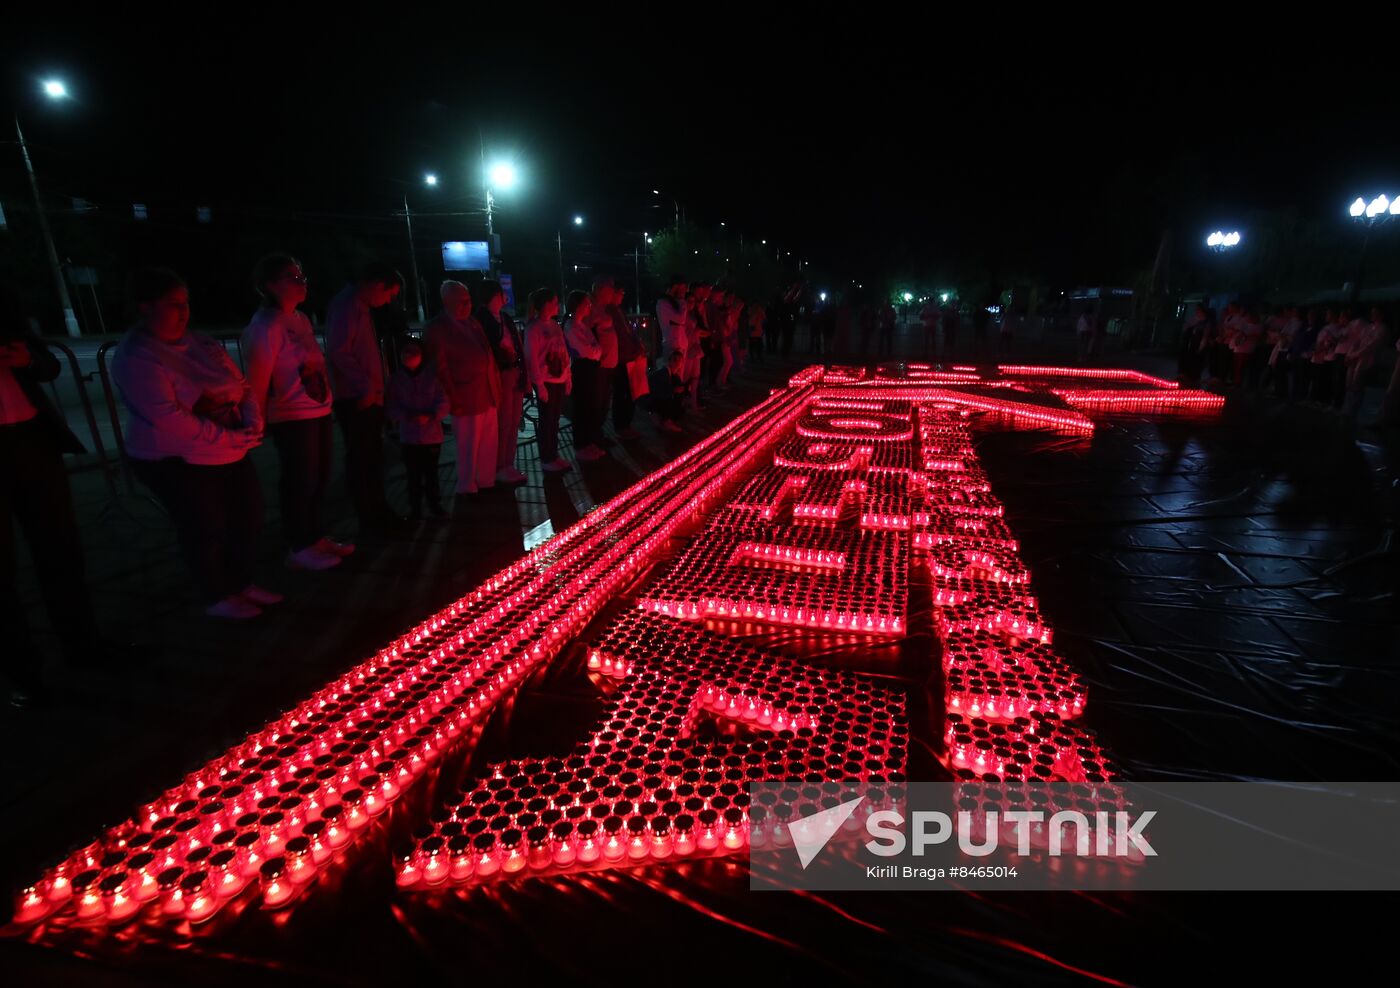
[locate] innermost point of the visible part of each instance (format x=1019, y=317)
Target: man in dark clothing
x=629, y=350
x=34, y=494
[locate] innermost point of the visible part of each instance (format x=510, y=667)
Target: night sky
x=865, y=150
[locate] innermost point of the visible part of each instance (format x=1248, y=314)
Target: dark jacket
x=418, y=393
x=629, y=347
x=43, y=367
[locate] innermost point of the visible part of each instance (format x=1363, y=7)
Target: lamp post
x=54, y=90
x=1371, y=214
x=676, y=203
x=500, y=175
x=1220, y=241
x=559, y=242
x=431, y=181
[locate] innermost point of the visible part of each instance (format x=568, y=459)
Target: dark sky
x=863, y=148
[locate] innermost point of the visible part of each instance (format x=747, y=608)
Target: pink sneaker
x=312, y=558
x=235, y=608
x=334, y=547
x=260, y=596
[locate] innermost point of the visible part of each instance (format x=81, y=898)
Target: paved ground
x=113, y=735
x=117, y=735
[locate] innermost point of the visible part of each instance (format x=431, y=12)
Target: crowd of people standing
x=1319, y=356
x=193, y=416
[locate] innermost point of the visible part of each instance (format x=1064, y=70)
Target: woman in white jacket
x=547, y=368
x=191, y=421
x=288, y=378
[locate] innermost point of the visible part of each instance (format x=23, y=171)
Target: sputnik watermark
x=986, y=833
x=977, y=834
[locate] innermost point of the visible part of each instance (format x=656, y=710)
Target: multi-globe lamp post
x=1371, y=214
x=1220, y=241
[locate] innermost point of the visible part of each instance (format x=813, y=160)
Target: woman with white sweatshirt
x=191, y=421
x=288, y=379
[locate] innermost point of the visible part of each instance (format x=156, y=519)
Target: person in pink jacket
x=191, y=421
x=466, y=366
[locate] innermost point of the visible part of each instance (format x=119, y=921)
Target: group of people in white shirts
x=702, y=323
x=1317, y=355
x=193, y=416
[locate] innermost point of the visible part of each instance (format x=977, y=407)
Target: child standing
x=418, y=404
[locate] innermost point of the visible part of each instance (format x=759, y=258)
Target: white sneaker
x=556, y=465
x=235, y=608
x=334, y=547
x=510, y=475
x=311, y=558
x=260, y=596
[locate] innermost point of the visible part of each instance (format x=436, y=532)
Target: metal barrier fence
x=115, y=463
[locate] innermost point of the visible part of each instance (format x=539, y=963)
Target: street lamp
x=559, y=243
x=55, y=90
x=675, y=202
x=430, y=180
x=1371, y=214
x=1220, y=241
x=499, y=175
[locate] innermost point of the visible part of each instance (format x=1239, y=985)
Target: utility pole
x=413, y=261
x=70, y=319
x=559, y=242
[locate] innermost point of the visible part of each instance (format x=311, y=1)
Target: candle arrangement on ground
x=808, y=511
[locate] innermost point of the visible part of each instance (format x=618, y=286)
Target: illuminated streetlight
x=559, y=243
x=54, y=90
x=1372, y=214
x=499, y=175
x=1221, y=241
x=502, y=175
x=430, y=179
x=908, y=297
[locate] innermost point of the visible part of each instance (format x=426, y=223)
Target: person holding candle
x=671, y=316
x=191, y=422
x=466, y=365
x=549, y=373
x=288, y=377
